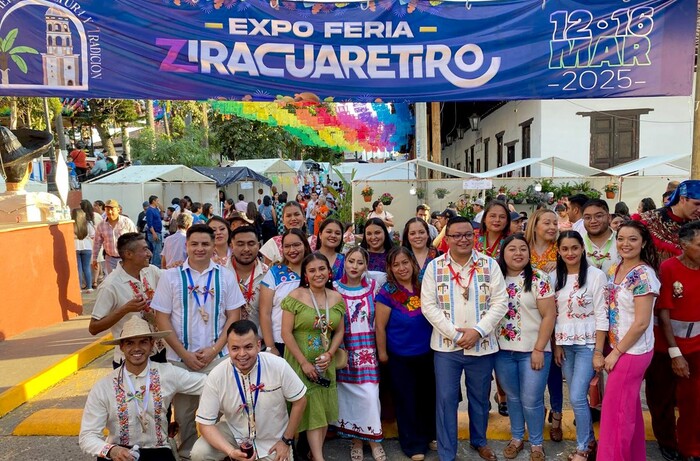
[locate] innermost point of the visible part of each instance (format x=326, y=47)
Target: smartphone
x=323, y=381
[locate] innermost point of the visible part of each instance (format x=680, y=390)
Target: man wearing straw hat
x=132, y=401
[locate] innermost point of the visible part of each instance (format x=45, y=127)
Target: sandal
x=378, y=453
x=356, y=453
x=513, y=448
x=555, y=432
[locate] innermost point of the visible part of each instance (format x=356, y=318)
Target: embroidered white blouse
x=520, y=328
x=102, y=411
x=640, y=281
x=578, y=309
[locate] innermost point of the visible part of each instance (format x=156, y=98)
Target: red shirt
x=684, y=306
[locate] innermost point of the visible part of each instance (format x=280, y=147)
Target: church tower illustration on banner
x=60, y=64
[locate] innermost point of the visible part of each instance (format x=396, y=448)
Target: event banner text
x=389, y=50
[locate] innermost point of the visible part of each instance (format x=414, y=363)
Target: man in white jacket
x=464, y=297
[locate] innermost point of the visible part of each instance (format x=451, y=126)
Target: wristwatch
x=286, y=441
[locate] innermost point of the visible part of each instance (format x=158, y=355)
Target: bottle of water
x=134, y=452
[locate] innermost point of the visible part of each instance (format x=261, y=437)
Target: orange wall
x=38, y=277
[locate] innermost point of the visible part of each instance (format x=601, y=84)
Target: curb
x=31, y=387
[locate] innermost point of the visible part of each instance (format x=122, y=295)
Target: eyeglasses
x=597, y=217
x=293, y=245
x=465, y=236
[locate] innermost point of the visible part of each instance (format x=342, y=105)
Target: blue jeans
x=310, y=228
x=578, y=370
x=157, y=248
x=84, y=269
x=556, y=387
x=524, y=388
x=449, y=367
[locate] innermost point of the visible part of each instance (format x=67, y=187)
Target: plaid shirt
x=106, y=235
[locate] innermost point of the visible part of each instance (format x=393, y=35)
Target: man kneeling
x=132, y=401
x=252, y=392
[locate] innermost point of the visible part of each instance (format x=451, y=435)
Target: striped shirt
x=107, y=235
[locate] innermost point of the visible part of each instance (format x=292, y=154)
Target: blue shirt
x=408, y=331
x=153, y=220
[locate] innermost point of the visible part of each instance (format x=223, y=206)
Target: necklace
x=457, y=277
x=205, y=294
x=248, y=291
x=139, y=396
x=493, y=249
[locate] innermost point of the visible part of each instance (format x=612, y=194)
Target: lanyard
x=142, y=396
x=494, y=248
x=242, y=394
x=194, y=288
x=457, y=277
x=322, y=321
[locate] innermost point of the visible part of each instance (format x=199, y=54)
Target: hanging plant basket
x=610, y=194
x=368, y=198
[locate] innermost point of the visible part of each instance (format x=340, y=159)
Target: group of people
x=318, y=324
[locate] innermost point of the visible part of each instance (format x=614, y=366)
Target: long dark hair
x=562, y=272
x=527, y=270
x=302, y=237
x=649, y=255
x=648, y=204
x=267, y=201
x=80, y=223
x=491, y=204
x=404, y=235
x=326, y=223
x=391, y=257
x=387, y=238
x=86, y=206
x=315, y=256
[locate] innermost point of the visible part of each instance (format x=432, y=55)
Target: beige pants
x=202, y=451
x=185, y=409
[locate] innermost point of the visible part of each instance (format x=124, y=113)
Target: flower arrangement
x=441, y=192
x=367, y=191
x=360, y=217
x=518, y=196
x=386, y=198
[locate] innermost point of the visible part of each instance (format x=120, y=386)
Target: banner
x=374, y=50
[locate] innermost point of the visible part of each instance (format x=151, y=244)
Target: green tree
x=7, y=52
x=109, y=112
x=237, y=138
x=153, y=149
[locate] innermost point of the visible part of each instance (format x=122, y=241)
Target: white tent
x=552, y=163
x=283, y=176
x=133, y=185
x=678, y=164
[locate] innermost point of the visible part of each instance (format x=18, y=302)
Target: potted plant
x=360, y=219
x=386, y=198
x=420, y=193
x=441, y=192
x=610, y=190
x=367, y=193
x=517, y=196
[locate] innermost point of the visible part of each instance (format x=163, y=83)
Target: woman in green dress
x=312, y=330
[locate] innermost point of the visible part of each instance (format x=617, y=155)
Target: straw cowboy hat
x=136, y=327
x=21, y=146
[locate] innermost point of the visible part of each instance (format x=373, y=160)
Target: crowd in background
x=567, y=292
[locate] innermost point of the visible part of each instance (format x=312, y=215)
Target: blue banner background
x=530, y=49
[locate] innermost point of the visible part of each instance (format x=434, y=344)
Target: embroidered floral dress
x=322, y=402
x=548, y=256
x=359, y=381
x=519, y=329
x=338, y=268
x=377, y=262
x=641, y=280
x=432, y=254
x=578, y=309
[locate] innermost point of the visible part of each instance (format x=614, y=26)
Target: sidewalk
x=66, y=360
x=38, y=359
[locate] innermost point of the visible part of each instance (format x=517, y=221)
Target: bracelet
x=538, y=350
x=674, y=352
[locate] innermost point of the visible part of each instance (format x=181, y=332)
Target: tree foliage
x=152, y=149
